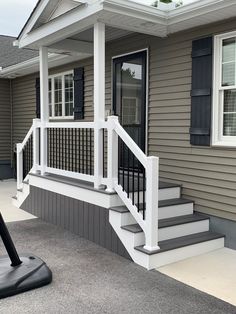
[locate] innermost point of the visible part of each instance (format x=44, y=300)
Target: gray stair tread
x=174, y=221
x=176, y=243
x=167, y=185
x=120, y=209
x=174, y=201
x=14, y=197
x=165, y=203
x=20, y=190
x=170, y=202
x=169, y=222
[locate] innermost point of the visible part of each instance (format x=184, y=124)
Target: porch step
x=167, y=208
x=169, y=222
x=181, y=242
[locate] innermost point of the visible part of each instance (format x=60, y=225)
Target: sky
x=14, y=14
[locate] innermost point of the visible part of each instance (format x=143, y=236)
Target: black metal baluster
x=86, y=149
x=83, y=150
x=79, y=153
x=90, y=153
x=118, y=161
x=76, y=148
x=144, y=191
x=123, y=164
x=133, y=180
x=103, y=152
x=72, y=136
x=128, y=190
x=53, y=150
x=138, y=203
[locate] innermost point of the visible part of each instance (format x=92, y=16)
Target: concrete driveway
x=90, y=279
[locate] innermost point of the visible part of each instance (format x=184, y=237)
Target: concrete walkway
x=213, y=273
x=10, y=212
x=90, y=279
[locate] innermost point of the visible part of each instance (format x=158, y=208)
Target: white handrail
x=27, y=137
x=70, y=125
x=130, y=143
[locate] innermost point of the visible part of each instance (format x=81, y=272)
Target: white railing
x=149, y=222
x=32, y=156
x=62, y=142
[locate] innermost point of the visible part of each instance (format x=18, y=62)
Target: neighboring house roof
x=11, y=55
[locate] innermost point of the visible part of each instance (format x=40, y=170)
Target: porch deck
x=90, y=186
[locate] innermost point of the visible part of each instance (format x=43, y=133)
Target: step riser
x=176, y=255
x=163, y=194
x=183, y=230
x=175, y=211
x=166, y=194
x=174, y=231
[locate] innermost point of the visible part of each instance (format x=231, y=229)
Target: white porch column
x=99, y=99
x=44, y=112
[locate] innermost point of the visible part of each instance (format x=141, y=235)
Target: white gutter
x=31, y=65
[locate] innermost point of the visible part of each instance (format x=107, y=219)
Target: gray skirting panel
x=87, y=220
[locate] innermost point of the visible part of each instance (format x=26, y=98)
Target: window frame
x=52, y=77
x=218, y=139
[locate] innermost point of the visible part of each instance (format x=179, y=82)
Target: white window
x=61, y=96
x=224, y=99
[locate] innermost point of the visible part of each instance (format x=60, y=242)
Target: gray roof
x=10, y=55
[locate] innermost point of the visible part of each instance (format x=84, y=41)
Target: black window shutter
x=79, y=93
x=201, y=94
x=37, y=90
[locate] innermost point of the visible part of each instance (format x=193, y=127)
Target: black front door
x=129, y=95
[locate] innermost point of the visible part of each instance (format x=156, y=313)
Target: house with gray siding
x=124, y=124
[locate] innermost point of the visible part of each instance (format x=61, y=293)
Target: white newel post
x=99, y=100
x=152, y=182
x=112, y=154
x=43, y=56
x=19, y=165
x=36, y=130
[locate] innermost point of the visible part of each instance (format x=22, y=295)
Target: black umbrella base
x=30, y=274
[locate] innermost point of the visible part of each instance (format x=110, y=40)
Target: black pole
x=8, y=243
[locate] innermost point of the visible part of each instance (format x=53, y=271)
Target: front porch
x=150, y=220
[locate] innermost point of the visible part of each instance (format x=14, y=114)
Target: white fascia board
x=66, y=25
x=196, y=9
x=41, y=7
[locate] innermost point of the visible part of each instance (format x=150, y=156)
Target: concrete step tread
x=177, y=243
x=169, y=222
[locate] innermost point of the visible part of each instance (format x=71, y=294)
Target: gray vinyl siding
x=5, y=120
x=208, y=175
x=24, y=106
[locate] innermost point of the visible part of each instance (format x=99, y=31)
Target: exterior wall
x=87, y=220
x=5, y=129
x=207, y=174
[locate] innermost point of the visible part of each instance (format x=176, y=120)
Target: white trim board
x=85, y=195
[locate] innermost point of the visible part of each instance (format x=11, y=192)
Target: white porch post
x=99, y=99
x=43, y=57
x=112, y=154
x=152, y=173
x=36, y=130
